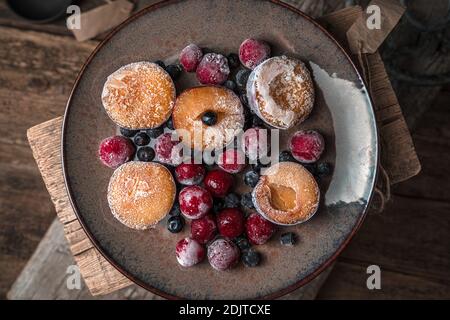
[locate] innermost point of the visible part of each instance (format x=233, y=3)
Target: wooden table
x=410, y=241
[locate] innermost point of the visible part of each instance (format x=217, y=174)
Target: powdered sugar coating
x=189, y=252
x=195, y=202
x=190, y=57
x=213, y=69
x=139, y=95
x=168, y=151
x=280, y=91
x=223, y=254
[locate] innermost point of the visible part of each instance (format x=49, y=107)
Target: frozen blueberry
x=169, y=124
x=246, y=201
x=251, y=178
x=232, y=200
x=160, y=63
x=146, y=154
x=175, y=211
x=242, y=78
x=257, y=167
x=286, y=156
x=218, y=205
x=323, y=169
x=209, y=118
x=127, y=132
x=311, y=167
x=242, y=242
x=288, y=239
x=174, y=70
x=155, y=132
x=230, y=84
x=141, y=139
x=175, y=224
x=233, y=60
x=251, y=258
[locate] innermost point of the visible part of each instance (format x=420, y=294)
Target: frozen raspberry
x=213, y=69
x=307, y=146
x=223, y=254
x=255, y=142
x=218, y=182
x=232, y=161
x=189, y=252
x=203, y=229
x=168, y=151
x=189, y=173
x=195, y=202
x=115, y=150
x=252, y=52
x=258, y=229
x=190, y=57
x=230, y=222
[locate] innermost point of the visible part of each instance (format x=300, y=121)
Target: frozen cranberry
x=255, y=142
x=307, y=146
x=218, y=182
x=230, y=222
x=190, y=57
x=252, y=52
x=232, y=161
x=189, y=173
x=189, y=252
x=203, y=229
x=115, y=150
x=195, y=202
x=223, y=254
x=258, y=229
x=213, y=69
x=168, y=151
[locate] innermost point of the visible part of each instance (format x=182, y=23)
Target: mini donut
x=140, y=194
x=281, y=92
x=286, y=194
x=139, y=95
x=193, y=103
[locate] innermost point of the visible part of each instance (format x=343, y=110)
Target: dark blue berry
x=251, y=178
x=169, y=124
x=141, y=139
x=246, y=201
x=286, y=156
x=232, y=200
x=323, y=169
x=242, y=242
x=288, y=239
x=175, y=224
x=242, y=78
x=230, y=84
x=146, y=154
x=160, y=63
x=209, y=118
x=233, y=60
x=311, y=167
x=175, y=211
x=155, y=132
x=127, y=132
x=251, y=258
x=218, y=205
x=174, y=70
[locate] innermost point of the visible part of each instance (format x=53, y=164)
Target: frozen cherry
x=230, y=222
x=213, y=69
x=203, y=229
x=255, y=142
x=232, y=161
x=223, y=254
x=195, y=202
x=189, y=173
x=258, y=229
x=168, y=151
x=252, y=52
x=115, y=150
x=218, y=182
x=189, y=252
x=190, y=57
x=307, y=146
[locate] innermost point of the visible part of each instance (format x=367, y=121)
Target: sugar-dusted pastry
x=139, y=95
x=286, y=194
x=211, y=115
x=140, y=194
x=280, y=91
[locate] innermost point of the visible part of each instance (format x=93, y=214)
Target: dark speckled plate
x=342, y=112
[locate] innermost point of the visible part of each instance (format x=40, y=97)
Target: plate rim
x=279, y=293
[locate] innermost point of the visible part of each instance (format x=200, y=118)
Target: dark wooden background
x=410, y=240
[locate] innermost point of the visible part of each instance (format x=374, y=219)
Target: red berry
x=252, y=52
x=213, y=69
x=168, y=151
x=230, y=222
x=195, y=202
x=307, y=146
x=203, y=229
x=255, y=142
x=258, y=229
x=189, y=173
x=189, y=252
x=190, y=57
x=223, y=254
x=115, y=150
x=218, y=182
x=232, y=161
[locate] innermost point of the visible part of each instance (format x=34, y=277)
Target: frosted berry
x=307, y=146
x=189, y=252
x=168, y=151
x=213, y=69
x=258, y=229
x=251, y=258
x=189, y=173
x=218, y=182
x=175, y=224
x=115, y=150
x=255, y=142
x=223, y=254
x=230, y=222
x=231, y=160
x=203, y=229
x=252, y=52
x=146, y=154
x=195, y=202
x=190, y=57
